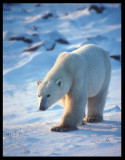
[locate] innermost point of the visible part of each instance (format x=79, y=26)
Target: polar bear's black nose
x=42, y=108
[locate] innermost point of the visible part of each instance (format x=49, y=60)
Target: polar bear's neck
x=55, y=73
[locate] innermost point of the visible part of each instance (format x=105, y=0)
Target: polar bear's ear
x=38, y=82
x=59, y=82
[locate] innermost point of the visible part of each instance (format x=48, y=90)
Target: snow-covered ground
x=33, y=36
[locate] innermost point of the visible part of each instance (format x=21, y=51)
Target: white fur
x=76, y=78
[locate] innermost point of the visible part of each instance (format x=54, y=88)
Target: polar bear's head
x=49, y=92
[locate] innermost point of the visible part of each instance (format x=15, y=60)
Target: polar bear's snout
x=42, y=105
x=42, y=108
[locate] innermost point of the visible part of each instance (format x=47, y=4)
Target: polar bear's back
x=89, y=49
x=98, y=66
x=93, y=55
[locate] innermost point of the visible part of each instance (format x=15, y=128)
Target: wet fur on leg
x=93, y=119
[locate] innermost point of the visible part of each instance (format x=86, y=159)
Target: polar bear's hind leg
x=96, y=106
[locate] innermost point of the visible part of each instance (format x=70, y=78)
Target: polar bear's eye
x=48, y=95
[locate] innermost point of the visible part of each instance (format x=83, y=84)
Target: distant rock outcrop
x=96, y=39
x=51, y=38
x=116, y=57
x=24, y=37
x=20, y=39
x=63, y=41
x=96, y=8
x=47, y=40
x=48, y=15
x=33, y=47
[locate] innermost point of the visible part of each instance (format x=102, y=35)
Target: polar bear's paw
x=93, y=119
x=83, y=123
x=63, y=129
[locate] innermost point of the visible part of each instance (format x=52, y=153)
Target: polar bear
x=77, y=78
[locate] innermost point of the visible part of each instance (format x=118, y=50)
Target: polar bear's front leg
x=73, y=115
x=67, y=123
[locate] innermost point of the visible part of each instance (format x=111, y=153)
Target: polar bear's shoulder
x=68, y=60
x=69, y=56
